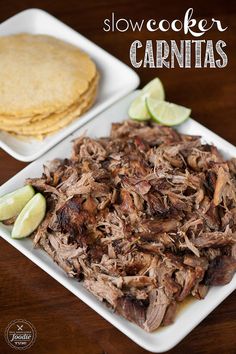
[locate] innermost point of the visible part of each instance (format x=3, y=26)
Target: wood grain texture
x=65, y=324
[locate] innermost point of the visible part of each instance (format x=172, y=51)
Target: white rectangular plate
x=191, y=315
x=117, y=79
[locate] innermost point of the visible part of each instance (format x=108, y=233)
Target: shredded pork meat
x=145, y=217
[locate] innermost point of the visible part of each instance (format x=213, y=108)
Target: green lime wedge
x=166, y=113
x=12, y=203
x=138, y=109
x=154, y=89
x=30, y=217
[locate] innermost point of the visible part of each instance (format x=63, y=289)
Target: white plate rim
x=132, y=331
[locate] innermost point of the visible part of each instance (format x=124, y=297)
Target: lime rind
x=166, y=113
x=138, y=110
x=12, y=203
x=30, y=217
x=154, y=89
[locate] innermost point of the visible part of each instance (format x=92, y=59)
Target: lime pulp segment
x=30, y=217
x=12, y=203
x=154, y=89
x=167, y=113
x=138, y=110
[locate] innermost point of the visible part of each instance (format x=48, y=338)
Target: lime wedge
x=30, y=217
x=138, y=109
x=12, y=203
x=154, y=89
x=166, y=113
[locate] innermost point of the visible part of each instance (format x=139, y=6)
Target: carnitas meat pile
x=145, y=217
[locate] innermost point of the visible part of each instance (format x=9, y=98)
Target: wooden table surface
x=65, y=324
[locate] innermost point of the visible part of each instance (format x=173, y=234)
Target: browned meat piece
x=52, y=248
x=210, y=182
x=188, y=244
x=186, y=279
x=222, y=180
x=233, y=251
x=90, y=205
x=215, y=239
x=232, y=165
x=132, y=309
x=225, y=187
x=157, y=205
x=200, y=291
x=152, y=247
x=211, y=253
x=87, y=185
x=145, y=217
x=103, y=290
x=212, y=218
x=175, y=161
x=172, y=288
x=137, y=263
x=53, y=165
x=200, y=265
x=196, y=262
x=86, y=148
x=142, y=187
x=200, y=159
x=41, y=185
x=137, y=281
x=42, y=230
x=229, y=219
x=53, y=171
x=141, y=144
x=159, y=226
x=221, y=270
x=73, y=219
x=64, y=250
x=69, y=180
x=176, y=201
x=153, y=134
x=69, y=216
x=127, y=205
x=170, y=314
x=163, y=270
x=158, y=304
x=173, y=261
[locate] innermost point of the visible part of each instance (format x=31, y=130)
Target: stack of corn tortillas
x=45, y=84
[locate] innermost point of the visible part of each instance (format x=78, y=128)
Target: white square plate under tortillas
x=117, y=79
x=192, y=313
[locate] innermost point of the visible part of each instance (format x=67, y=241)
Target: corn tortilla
x=53, y=122
x=40, y=75
x=52, y=118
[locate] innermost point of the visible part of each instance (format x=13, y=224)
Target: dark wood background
x=64, y=323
